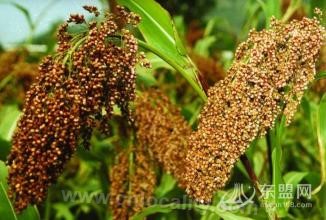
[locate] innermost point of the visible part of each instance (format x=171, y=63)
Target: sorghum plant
x=74, y=93
x=268, y=77
x=85, y=94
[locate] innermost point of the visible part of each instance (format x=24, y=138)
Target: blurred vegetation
x=210, y=31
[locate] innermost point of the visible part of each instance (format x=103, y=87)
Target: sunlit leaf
x=203, y=45
x=10, y=115
x=276, y=201
x=321, y=75
x=6, y=208
x=160, y=34
x=166, y=185
x=322, y=121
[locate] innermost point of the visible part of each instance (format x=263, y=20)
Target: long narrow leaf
x=159, y=32
x=6, y=209
x=26, y=13
x=8, y=122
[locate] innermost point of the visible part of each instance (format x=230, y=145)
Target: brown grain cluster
x=7, y=62
x=132, y=183
x=75, y=92
x=162, y=129
x=268, y=77
x=17, y=74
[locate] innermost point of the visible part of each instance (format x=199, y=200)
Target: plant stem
x=269, y=155
x=5, y=81
x=112, y=5
x=47, y=213
x=322, y=161
x=294, y=5
x=245, y=161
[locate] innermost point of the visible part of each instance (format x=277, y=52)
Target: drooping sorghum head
x=161, y=128
x=119, y=188
x=132, y=183
x=268, y=77
x=20, y=75
x=74, y=93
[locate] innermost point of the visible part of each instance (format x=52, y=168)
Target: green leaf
x=3, y=174
x=322, y=197
x=146, y=75
x=226, y=215
x=322, y=121
x=146, y=78
x=293, y=178
x=31, y=213
x=162, y=39
x=271, y=8
x=166, y=185
x=26, y=13
x=202, y=46
x=6, y=209
x=10, y=115
x=8, y=122
x=277, y=171
x=276, y=138
x=321, y=75
x=5, y=147
x=63, y=212
x=321, y=136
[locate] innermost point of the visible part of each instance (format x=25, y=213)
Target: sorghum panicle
x=7, y=62
x=13, y=63
x=74, y=93
x=268, y=77
x=132, y=183
x=161, y=128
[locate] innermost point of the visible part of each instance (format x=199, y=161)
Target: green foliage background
x=297, y=154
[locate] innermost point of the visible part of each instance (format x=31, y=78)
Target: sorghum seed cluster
x=162, y=129
x=7, y=61
x=20, y=75
x=132, y=183
x=74, y=93
x=268, y=77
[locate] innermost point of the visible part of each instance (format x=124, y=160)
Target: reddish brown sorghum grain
x=119, y=187
x=74, y=93
x=132, y=183
x=269, y=75
x=162, y=129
